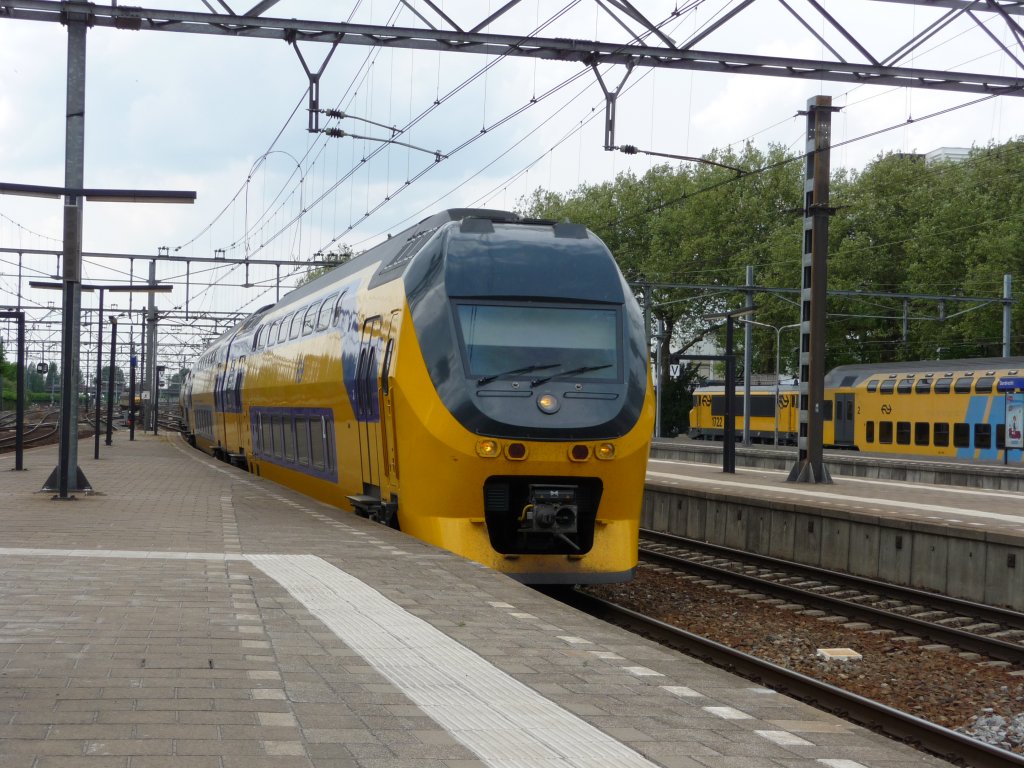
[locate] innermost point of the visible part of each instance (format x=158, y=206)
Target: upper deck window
x=923, y=386
x=905, y=387
x=963, y=384
x=942, y=385
x=323, y=319
x=550, y=341
x=984, y=384
x=887, y=386
x=873, y=385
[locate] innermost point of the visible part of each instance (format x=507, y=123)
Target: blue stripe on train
x=976, y=407
x=991, y=410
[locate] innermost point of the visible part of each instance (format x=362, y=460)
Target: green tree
x=325, y=263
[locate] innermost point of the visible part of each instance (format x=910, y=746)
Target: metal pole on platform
x=70, y=476
x=19, y=389
x=729, y=427
x=748, y=359
x=810, y=466
x=110, y=381
x=99, y=377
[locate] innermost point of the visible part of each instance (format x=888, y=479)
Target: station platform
x=189, y=614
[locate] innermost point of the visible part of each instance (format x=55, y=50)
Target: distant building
x=943, y=154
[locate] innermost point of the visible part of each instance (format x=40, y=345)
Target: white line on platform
x=501, y=720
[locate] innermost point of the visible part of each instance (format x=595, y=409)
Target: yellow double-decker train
x=937, y=408
x=478, y=380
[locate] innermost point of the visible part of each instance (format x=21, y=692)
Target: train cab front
x=535, y=347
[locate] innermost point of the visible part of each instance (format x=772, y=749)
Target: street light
x=778, y=336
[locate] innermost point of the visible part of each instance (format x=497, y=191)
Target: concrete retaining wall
x=972, y=565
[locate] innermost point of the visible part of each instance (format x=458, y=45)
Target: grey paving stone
x=170, y=662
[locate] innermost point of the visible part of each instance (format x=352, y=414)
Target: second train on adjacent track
x=478, y=380
x=954, y=408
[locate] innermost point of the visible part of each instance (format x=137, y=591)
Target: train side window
x=1000, y=436
x=386, y=367
x=963, y=384
x=338, y=309
x=323, y=318
x=942, y=385
x=267, y=439
x=982, y=435
x=905, y=387
x=869, y=431
x=289, y=438
x=923, y=386
x=318, y=437
x=885, y=432
x=329, y=444
x=941, y=434
x=302, y=441
x=984, y=385
x=827, y=409
x=282, y=329
x=296, y=324
x=961, y=435
x=887, y=386
x=309, y=320
x=903, y=432
x=922, y=433
x=278, y=436
x=873, y=385
x=360, y=390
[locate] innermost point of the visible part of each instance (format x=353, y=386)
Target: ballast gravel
x=959, y=691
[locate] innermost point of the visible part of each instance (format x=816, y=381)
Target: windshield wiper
x=570, y=372
x=527, y=369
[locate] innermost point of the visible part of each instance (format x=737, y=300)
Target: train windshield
x=498, y=339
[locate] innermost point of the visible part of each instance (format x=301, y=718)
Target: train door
x=389, y=441
x=368, y=406
x=843, y=419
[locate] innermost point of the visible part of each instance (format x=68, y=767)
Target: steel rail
x=895, y=723
x=968, y=641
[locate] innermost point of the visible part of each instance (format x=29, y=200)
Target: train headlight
x=487, y=449
x=515, y=451
x=548, y=403
x=605, y=451
x=579, y=452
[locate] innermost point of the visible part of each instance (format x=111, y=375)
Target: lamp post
x=778, y=347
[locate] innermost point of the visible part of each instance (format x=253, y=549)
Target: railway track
x=993, y=632
x=944, y=742
x=40, y=429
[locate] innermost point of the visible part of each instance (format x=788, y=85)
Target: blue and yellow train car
x=952, y=408
x=479, y=381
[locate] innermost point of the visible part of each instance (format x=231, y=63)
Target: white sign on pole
x=1015, y=420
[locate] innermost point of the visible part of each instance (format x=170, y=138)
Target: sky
x=227, y=118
